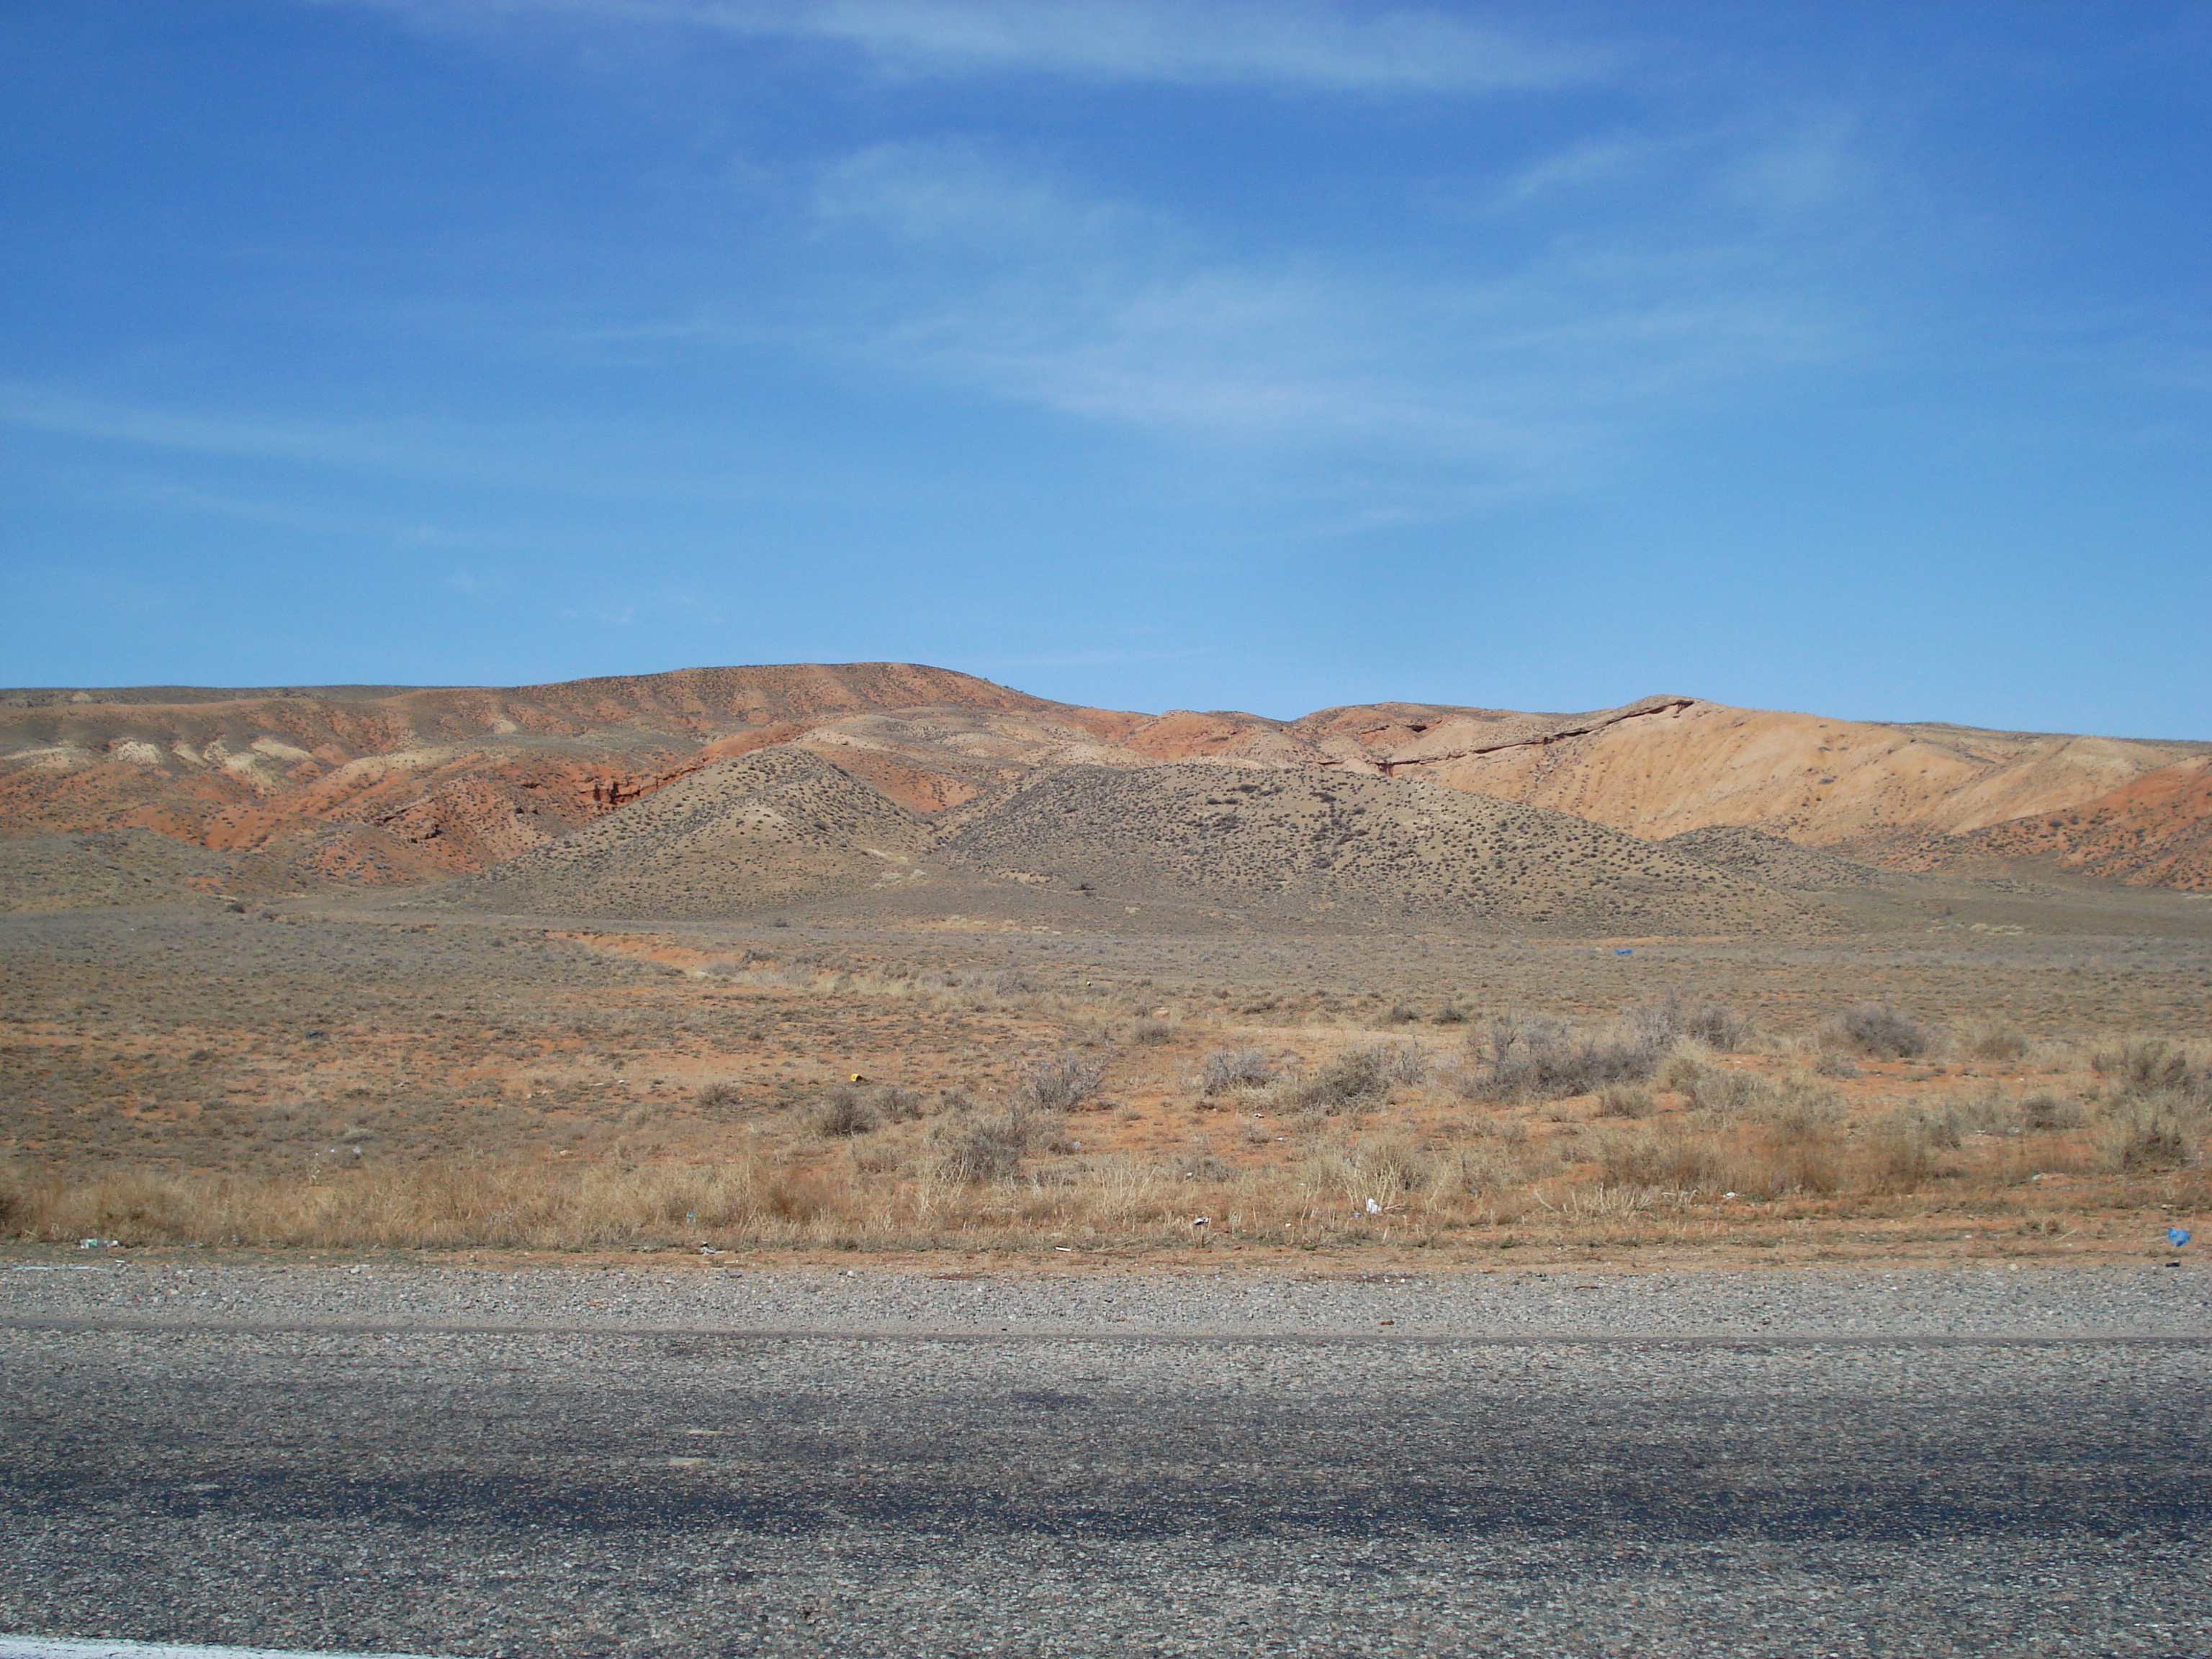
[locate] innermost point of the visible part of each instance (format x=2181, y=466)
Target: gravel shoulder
x=1978, y=1301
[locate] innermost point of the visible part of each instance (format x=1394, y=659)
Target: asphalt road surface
x=472, y=1489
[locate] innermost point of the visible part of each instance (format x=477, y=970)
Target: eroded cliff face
x=1668, y=765
x=371, y=785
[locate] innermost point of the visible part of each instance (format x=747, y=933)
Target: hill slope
x=2153, y=831
x=737, y=836
x=1757, y=856
x=1304, y=840
x=1667, y=764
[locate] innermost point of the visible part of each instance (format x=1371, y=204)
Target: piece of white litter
x=1373, y=1208
x=1065, y=1249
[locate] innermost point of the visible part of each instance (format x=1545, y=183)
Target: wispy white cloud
x=1584, y=165
x=49, y=408
x=1807, y=167
x=1290, y=43
x=508, y=455
x=1032, y=290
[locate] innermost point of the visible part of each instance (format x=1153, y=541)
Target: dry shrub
x=1877, y=1029
x=989, y=1146
x=843, y=1111
x=1685, y=1064
x=1226, y=1070
x=1794, y=1164
x=2147, y=1064
x=1624, y=1100
x=1797, y=1108
x=1896, y=1155
x=2043, y=1111
x=877, y=1155
x=1718, y=1094
x=1360, y=1076
x=1993, y=1040
x=1713, y=1024
x=1532, y=1057
x=2157, y=1118
x=892, y=1104
x=1151, y=1032
x=527, y=1206
x=719, y=1100
x=2158, y=1129
x=1060, y=1082
x=1765, y=1139
x=796, y=1197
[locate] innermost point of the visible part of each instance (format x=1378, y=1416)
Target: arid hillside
x=304, y=788
x=766, y=828
x=1309, y=842
x=381, y=785
x=2153, y=831
x=1669, y=764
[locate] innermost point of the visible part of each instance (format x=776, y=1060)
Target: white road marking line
x=59, y=1647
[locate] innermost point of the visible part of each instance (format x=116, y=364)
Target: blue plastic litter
x=2177, y=1236
x=1624, y=954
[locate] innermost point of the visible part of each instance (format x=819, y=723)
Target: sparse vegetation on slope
x=1313, y=844
x=776, y=826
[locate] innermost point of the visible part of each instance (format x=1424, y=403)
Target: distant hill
x=306, y=788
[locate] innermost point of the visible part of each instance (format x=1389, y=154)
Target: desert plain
x=822, y=964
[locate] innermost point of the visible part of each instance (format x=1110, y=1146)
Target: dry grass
x=792, y=1103
x=1408, y=1160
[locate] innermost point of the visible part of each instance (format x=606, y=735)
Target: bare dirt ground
x=1035, y=1090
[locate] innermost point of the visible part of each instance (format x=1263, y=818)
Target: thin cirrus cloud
x=389, y=448
x=32, y=407
x=1006, y=280
x=1222, y=42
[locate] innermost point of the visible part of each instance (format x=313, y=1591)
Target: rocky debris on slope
x=770, y=828
x=1315, y=841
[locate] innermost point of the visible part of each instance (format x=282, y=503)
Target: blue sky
x=1845, y=357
